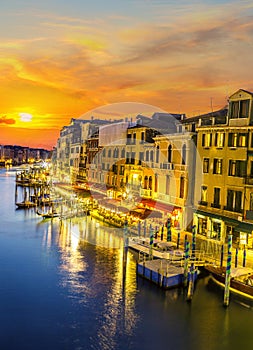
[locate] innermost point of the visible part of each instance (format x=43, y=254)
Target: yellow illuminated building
x=224, y=201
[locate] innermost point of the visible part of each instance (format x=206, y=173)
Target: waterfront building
x=17, y=155
x=196, y=170
x=224, y=201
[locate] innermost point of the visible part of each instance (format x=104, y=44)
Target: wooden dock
x=162, y=272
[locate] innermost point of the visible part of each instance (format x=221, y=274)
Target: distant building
x=17, y=155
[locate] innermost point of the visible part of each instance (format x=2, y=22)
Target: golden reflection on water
x=87, y=247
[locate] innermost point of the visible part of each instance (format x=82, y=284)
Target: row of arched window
x=149, y=154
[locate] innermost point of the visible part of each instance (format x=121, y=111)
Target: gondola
x=241, y=281
x=25, y=204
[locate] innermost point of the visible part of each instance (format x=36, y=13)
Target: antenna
x=211, y=100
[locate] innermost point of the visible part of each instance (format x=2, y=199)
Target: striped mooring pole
x=186, y=262
x=244, y=257
x=221, y=255
x=236, y=257
x=168, y=230
x=151, y=242
x=193, y=240
x=228, y=272
x=178, y=239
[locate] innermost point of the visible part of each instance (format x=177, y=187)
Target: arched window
x=109, y=153
x=145, y=183
x=151, y=156
x=156, y=183
x=115, y=153
x=184, y=154
x=169, y=154
x=150, y=182
x=147, y=156
x=123, y=153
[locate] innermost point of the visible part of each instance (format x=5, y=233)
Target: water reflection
x=92, y=267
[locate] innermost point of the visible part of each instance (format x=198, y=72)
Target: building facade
x=224, y=200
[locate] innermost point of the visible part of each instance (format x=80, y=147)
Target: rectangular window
x=216, y=197
x=237, y=168
x=219, y=139
x=203, y=140
x=239, y=109
x=242, y=140
x=207, y=140
x=232, y=139
x=217, y=166
x=230, y=200
x=238, y=201
x=244, y=109
x=234, y=109
x=206, y=165
x=204, y=195
x=216, y=230
x=231, y=167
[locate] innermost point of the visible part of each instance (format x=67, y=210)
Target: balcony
x=167, y=166
x=234, y=210
x=146, y=193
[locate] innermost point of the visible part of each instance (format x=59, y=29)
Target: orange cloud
x=178, y=59
x=5, y=120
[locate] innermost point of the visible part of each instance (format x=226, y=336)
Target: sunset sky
x=60, y=59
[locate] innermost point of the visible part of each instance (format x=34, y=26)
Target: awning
x=244, y=227
x=165, y=207
x=151, y=203
x=238, y=225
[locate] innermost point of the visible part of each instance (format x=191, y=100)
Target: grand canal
x=62, y=287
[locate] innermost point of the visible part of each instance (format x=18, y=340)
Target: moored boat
x=241, y=281
x=25, y=204
x=48, y=215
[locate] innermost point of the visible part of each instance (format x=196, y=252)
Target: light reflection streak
x=88, y=248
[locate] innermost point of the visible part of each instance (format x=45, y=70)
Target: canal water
x=63, y=286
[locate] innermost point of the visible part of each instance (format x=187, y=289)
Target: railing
x=146, y=192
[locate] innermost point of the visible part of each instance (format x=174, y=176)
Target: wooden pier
x=162, y=272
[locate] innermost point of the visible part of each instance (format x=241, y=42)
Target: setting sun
x=25, y=117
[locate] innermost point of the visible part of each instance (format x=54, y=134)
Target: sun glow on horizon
x=25, y=117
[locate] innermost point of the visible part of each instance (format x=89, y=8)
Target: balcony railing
x=234, y=210
x=146, y=192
